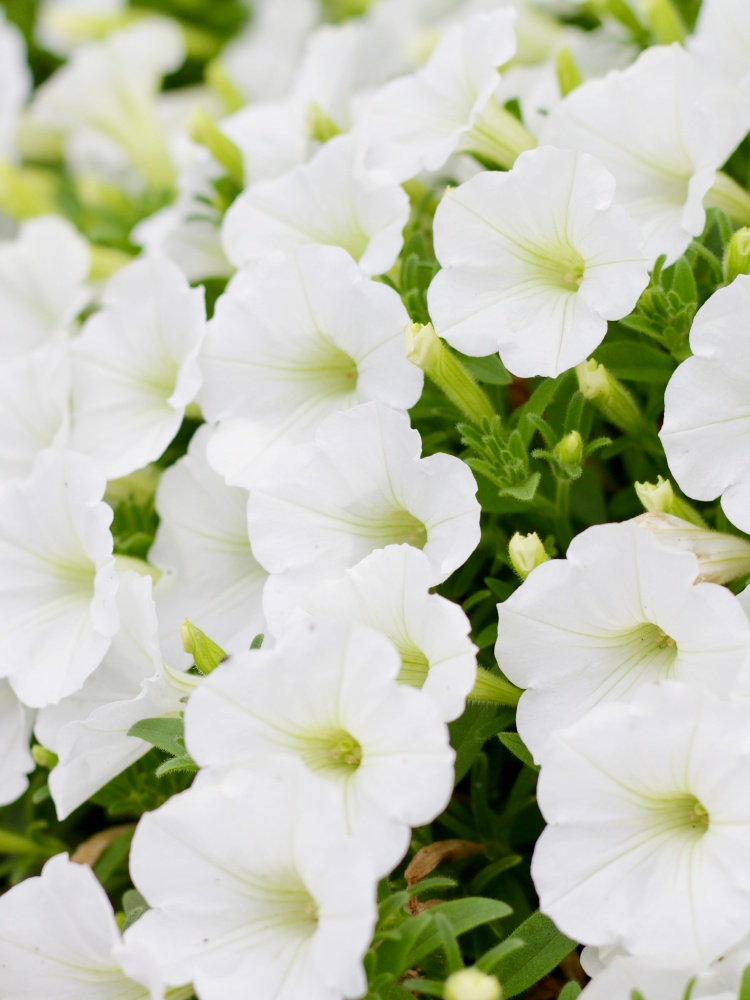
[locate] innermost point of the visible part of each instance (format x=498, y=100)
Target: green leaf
x=429, y=987
x=490, y=371
x=636, y=362
x=166, y=734
x=462, y=915
x=683, y=282
x=449, y=943
x=487, y=637
x=465, y=735
x=182, y=763
x=544, y=947
x=16, y=843
x=134, y=906
x=538, y=403
x=570, y=991
x=431, y=885
x=396, y=992
x=525, y=492
x=514, y=743
x=744, y=993
x=257, y=641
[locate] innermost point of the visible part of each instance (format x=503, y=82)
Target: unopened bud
x=44, y=757
x=737, y=257
x=568, y=74
x=204, y=130
x=721, y=557
x=206, y=653
x=426, y=350
x=664, y=21
x=569, y=450
x=526, y=553
x=472, y=984
x=660, y=498
x=610, y=397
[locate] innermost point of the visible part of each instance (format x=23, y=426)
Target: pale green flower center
x=639, y=654
x=334, y=752
x=333, y=369
x=414, y=666
x=562, y=267
x=394, y=526
x=679, y=813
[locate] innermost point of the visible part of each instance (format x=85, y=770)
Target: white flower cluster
x=303, y=508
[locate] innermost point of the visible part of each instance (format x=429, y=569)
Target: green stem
x=491, y=688
x=562, y=513
x=426, y=350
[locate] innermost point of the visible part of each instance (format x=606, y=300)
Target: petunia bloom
x=534, y=262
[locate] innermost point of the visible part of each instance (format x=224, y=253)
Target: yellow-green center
x=335, y=752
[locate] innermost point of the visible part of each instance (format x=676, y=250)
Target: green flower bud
x=206, y=653
x=526, y=553
x=426, y=350
x=568, y=74
x=44, y=757
x=610, y=397
x=737, y=257
x=472, y=984
x=569, y=450
x=664, y=21
x=660, y=497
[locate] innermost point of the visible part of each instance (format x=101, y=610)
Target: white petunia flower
x=209, y=573
x=663, y=127
x=63, y=25
x=389, y=591
x=294, y=340
x=706, y=430
x=326, y=695
x=135, y=366
x=722, y=37
x=42, y=284
x=416, y=122
x=15, y=84
x=722, y=557
x=59, y=939
x=187, y=231
x=57, y=577
x=261, y=887
x=622, y=610
x=262, y=61
x=105, y=95
x=89, y=729
x=361, y=486
x=16, y=762
x=535, y=261
x=333, y=200
x=34, y=409
x=648, y=824
x=653, y=978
